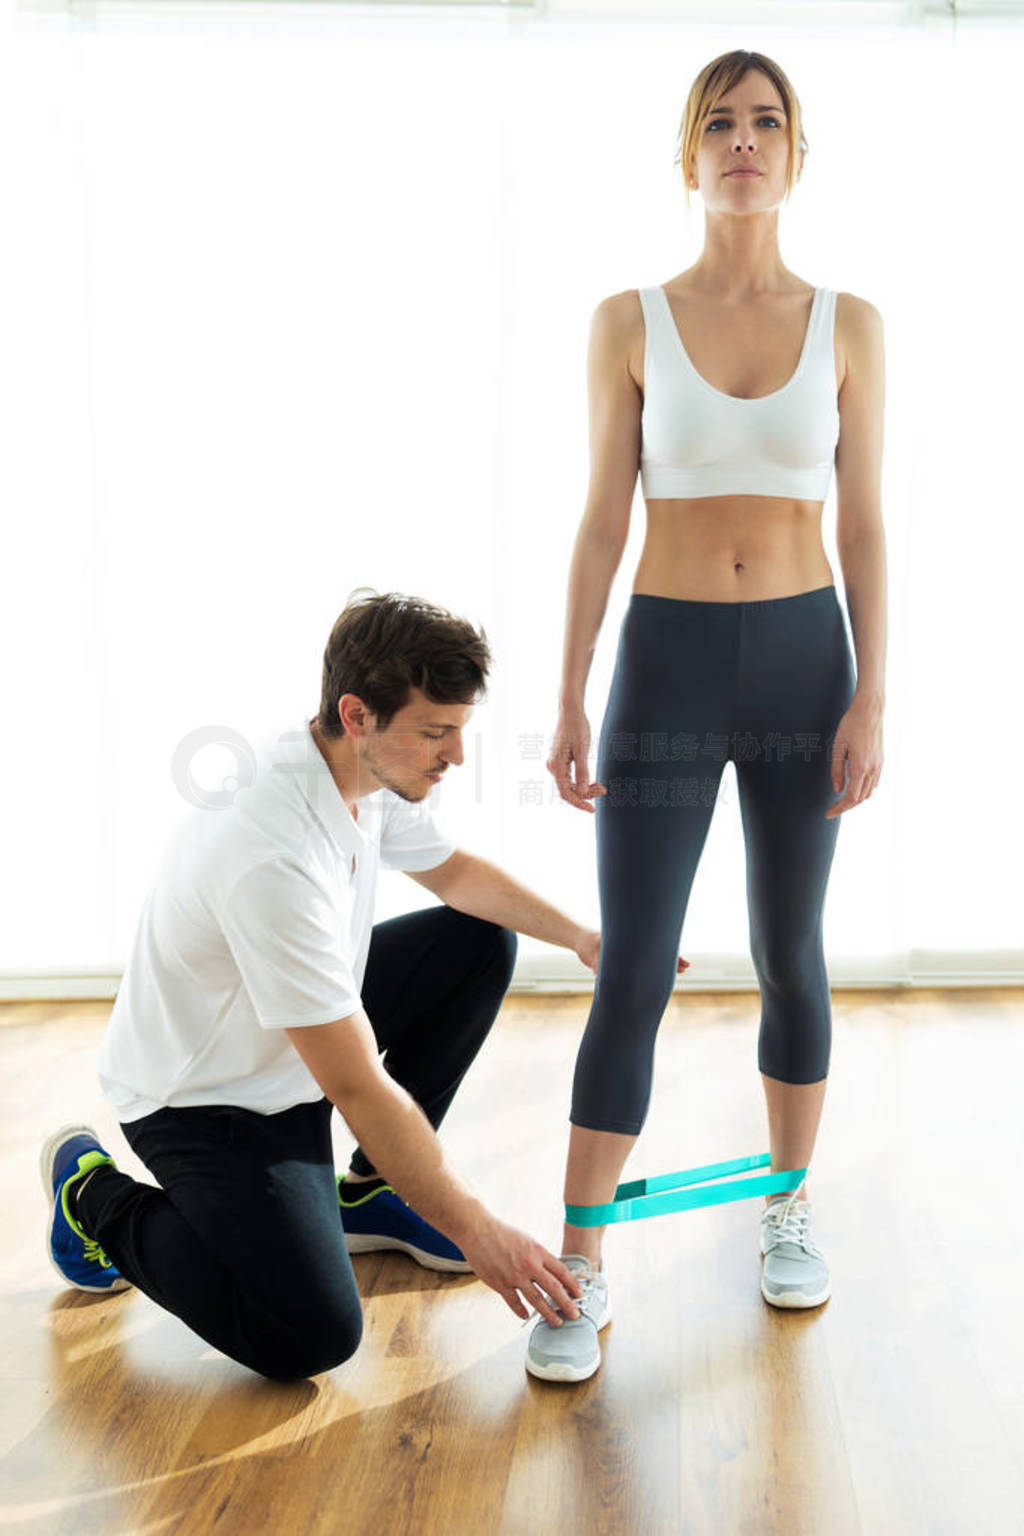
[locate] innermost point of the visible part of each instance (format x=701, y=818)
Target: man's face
x=418, y=746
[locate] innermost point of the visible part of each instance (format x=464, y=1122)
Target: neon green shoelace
x=95, y=1255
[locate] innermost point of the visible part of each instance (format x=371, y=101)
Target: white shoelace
x=788, y=1222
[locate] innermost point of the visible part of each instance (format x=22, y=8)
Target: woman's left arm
x=860, y=539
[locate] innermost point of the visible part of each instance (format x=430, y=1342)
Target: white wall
x=297, y=303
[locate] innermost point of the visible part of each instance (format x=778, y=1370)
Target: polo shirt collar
x=312, y=776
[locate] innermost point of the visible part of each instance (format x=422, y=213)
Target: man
x=258, y=994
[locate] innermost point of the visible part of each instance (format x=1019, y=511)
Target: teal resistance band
x=641, y=1197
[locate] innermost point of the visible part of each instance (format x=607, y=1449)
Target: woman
x=734, y=387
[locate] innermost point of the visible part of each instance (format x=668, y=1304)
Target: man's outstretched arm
x=481, y=889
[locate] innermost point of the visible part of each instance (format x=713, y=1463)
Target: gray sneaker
x=572, y=1352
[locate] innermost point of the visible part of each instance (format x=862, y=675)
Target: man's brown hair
x=385, y=644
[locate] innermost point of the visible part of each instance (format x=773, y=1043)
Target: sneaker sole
x=46, y=1160
x=796, y=1298
x=564, y=1371
x=357, y=1242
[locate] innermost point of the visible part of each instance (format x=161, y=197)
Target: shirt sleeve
x=410, y=838
x=284, y=933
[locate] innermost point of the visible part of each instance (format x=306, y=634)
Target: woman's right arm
x=615, y=403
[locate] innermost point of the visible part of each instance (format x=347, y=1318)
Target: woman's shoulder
x=857, y=309
x=860, y=336
x=622, y=308
x=617, y=322
x=858, y=327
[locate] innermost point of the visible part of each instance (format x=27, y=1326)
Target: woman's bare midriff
x=731, y=549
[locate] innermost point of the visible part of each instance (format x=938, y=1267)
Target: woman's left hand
x=858, y=744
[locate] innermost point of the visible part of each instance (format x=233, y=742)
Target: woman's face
x=747, y=128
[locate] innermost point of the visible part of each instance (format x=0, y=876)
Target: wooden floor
x=897, y=1407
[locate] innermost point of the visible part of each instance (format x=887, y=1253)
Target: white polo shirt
x=259, y=919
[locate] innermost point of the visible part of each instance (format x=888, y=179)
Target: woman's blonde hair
x=713, y=82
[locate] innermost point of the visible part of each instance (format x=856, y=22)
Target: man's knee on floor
x=323, y=1345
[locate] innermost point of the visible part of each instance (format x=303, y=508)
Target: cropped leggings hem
x=617, y=1127
x=633, y=1128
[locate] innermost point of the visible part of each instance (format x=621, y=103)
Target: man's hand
x=588, y=947
x=510, y=1262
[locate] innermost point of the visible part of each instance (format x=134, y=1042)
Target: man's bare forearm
x=404, y=1148
x=483, y=890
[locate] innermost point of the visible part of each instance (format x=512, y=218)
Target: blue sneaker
x=382, y=1219
x=68, y=1156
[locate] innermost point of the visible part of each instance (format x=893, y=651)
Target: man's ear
x=355, y=716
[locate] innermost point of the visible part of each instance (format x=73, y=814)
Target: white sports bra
x=698, y=441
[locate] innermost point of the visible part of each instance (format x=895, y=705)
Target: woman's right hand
x=568, y=760
x=510, y=1262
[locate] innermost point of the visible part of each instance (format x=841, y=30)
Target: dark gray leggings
x=696, y=684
